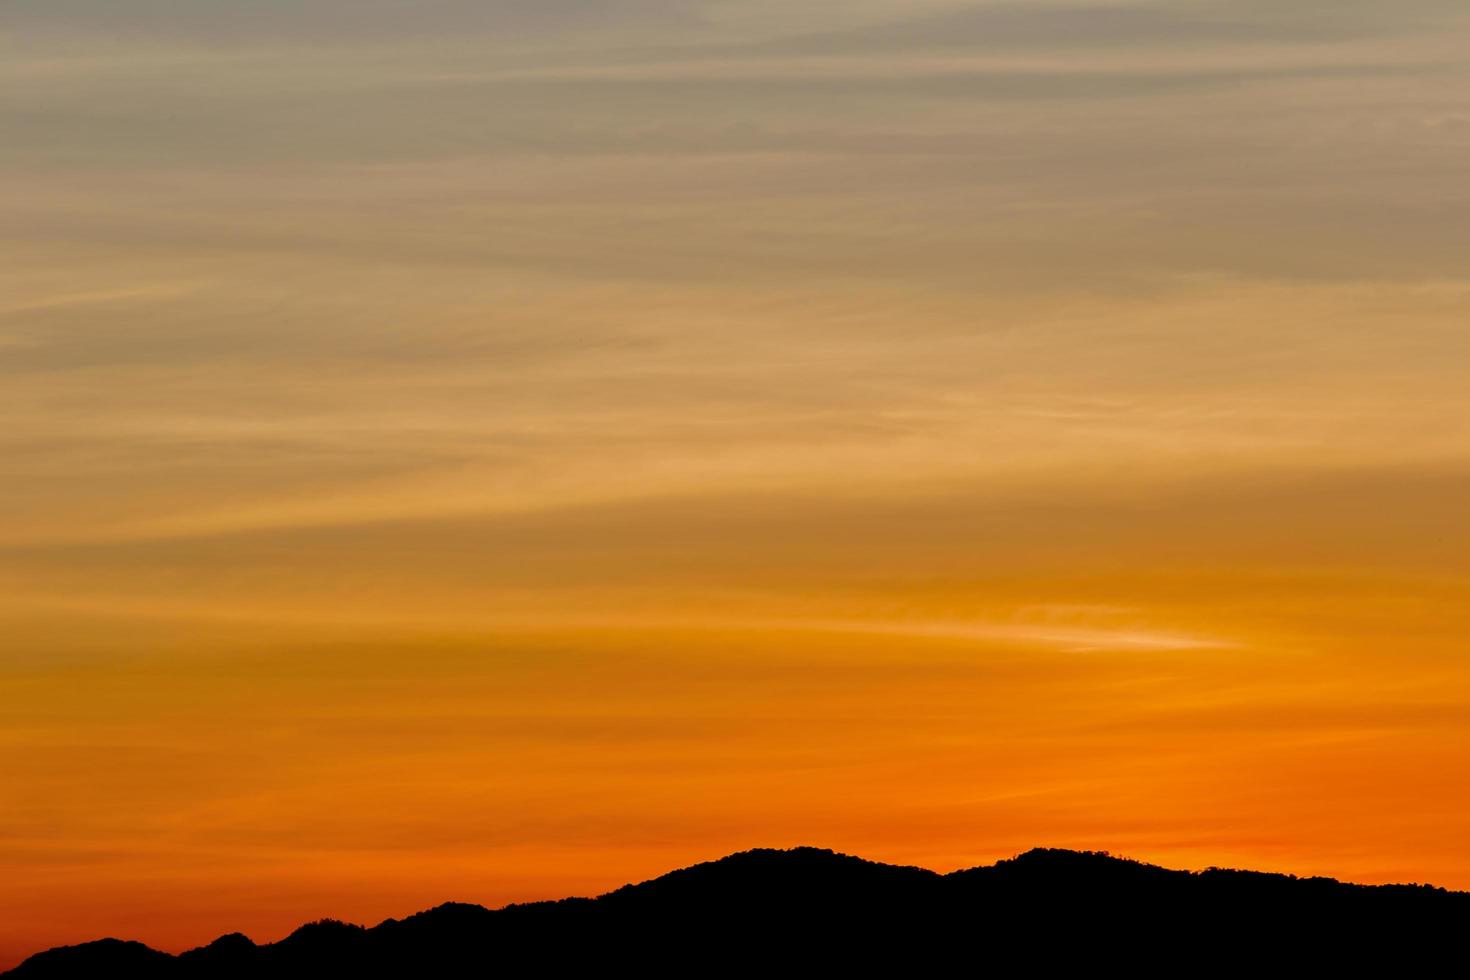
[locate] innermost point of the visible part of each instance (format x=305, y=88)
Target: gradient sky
x=499, y=450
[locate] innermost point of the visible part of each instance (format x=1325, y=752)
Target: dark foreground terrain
x=815, y=912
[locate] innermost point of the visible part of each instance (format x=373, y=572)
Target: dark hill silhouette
x=808, y=910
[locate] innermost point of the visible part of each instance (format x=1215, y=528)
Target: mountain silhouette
x=808, y=910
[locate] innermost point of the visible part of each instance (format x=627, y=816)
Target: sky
x=500, y=450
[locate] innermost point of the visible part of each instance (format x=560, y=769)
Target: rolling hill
x=809, y=910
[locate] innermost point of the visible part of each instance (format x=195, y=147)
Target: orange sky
x=498, y=451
